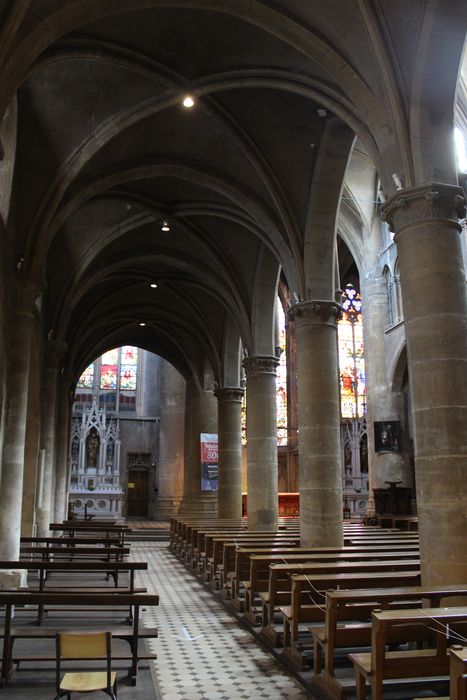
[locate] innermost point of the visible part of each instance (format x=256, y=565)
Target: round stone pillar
x=53, y=352
x=435, y=315
x=319, y=455
x=200, y=417
x=261, y=429
x=229, y=402
x=62, y=445
x=384, y=402
x=171, y=444
x=11, y=490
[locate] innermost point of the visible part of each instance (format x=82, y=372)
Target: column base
x=164, y=508
x=199, y=505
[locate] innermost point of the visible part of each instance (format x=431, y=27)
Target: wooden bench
x=49, y=553
x=307, y=601
x=281, y=579
x=347, y=624
x=95, y=602
x=71, y=541
x=115, y=531
x=458, y=672
x=83, y=567
x=252, y=570
x=380, y=664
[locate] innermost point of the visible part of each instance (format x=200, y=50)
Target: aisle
x=204, y=653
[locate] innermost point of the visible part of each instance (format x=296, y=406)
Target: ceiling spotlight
x=321, y=112
x=165, y=225
x=188, y=101
x=153, y=285
x=142, y=323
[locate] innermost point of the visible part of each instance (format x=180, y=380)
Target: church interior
x=233, y=345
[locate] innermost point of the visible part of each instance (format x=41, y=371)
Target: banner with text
x=209, y=465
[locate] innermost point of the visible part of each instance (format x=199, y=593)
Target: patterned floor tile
x=202, y=652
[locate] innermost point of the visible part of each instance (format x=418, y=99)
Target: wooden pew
x=347, y=624
x=91, y=527
x=74, y=567
x=380, y=664
x=95, y=602
x=252, y=569
x=458, y=672
x=50, y=553
x=70, y=541
x=279, y=591
x=307, y=602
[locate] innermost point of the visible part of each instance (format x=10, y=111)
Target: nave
x=203, y=652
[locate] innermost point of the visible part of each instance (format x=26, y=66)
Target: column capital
x=229, y=394
x=423, y=203
x=261, y=364
x=315, y=311
x=53, y=353
x=29, y=287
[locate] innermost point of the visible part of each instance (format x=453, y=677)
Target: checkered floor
x=203, y=654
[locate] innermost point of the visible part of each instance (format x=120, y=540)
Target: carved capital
x=54, y=351
x=261, y=364
x=427, y=202
x=226, y=394
x=29, y=289
x=317, y=311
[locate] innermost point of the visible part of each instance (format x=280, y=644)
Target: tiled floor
x=203, y=653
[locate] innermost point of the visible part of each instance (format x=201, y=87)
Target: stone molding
x=424, y=203
x=261, y=364
x=316, y=310
x=226, y=394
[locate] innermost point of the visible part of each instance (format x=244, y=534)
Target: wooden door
x=138, y=493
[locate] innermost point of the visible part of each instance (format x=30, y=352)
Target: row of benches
x=85, y=550
x=285, y=589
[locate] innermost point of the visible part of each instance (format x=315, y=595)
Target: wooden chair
x=85, y=646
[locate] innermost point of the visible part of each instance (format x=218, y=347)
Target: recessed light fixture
x=165, y=225
x=188, y=101
x=142, y=323
x=153, y=285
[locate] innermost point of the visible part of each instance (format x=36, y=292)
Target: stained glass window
x=86, y=380
x=351, y=355
x=243, y=418
x=281, y=380
x=128, y=366
x=109, y=364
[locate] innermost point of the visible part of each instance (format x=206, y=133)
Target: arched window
x=111, y=379
x=351, y=355
x=390, y=293
x=281, y=378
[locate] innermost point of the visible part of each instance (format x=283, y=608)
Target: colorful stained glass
x=281, y=381
x=86, y=380
x=243, y=418
x=109, y=363
x=351, y=355
x=128, y=366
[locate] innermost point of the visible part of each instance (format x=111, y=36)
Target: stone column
x=229, y=403
x=261, y=429
x=435, y=314
x=53, y=352
x=383, y=402
x=31, y=448
x=11, y=490
x=318, y=423
x=62, y=444
x=200, y=417
x=172, y=419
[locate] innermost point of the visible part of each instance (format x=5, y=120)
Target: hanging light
x=153, y=285
x=165, y=225
x=188, y=101
x=142, y=323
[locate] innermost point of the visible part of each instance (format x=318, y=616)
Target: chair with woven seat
x=85, y=646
